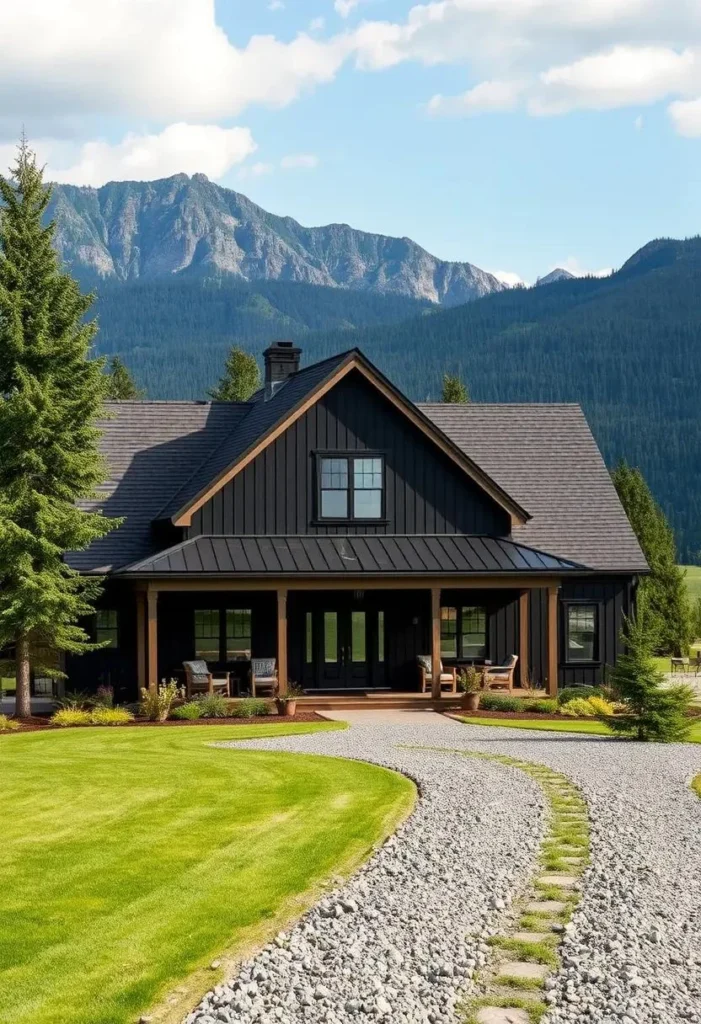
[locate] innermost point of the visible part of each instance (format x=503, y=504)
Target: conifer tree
x=241, y=378
x=120, y=384
x=50, y=394
x=653, y=711
x=665, y=588
x=454, y=391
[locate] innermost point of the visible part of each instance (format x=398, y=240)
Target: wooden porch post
x=552, y=640
x=282, y=639
x=141, y=640
x=436, y=643
x=152, y=601
x=523, y=652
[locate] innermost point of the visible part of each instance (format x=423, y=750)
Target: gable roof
x=267, y=419
x=312, y=555
x=547, y=458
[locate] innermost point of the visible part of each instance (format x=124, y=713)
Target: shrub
x=8, y=724
x=71, y=716
x=75, y=700
x=212, y=705
x=579, y=707
x=110, y=716
x=569, y=693
x=104, y=698
x=155, y=705
x=495, y=702
x=188, y=712
x=251, y=707
x=546, y=706
x=601, y=706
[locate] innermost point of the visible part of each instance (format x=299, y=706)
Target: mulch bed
x=41, y=722
x=516, y=714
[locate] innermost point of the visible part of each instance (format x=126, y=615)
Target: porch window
x=473, y=632
x=107, y=627
x=380, y=636
x=582, y=632
x=449, y=632
x=351, y=487
x=308, y=638
x=238, y=633
x=207, y=634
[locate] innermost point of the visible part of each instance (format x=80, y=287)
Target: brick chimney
x=281, y=360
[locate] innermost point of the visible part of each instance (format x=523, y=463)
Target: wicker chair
x=449, y=676
x=198, y=679
x=263, y=675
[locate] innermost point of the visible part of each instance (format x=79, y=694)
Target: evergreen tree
x=454, y=391
x=241, y=378
x=120, y=384
x=50, y=394
x=652, y=710
x=665, y=588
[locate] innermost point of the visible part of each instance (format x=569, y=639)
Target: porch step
x=367, y=703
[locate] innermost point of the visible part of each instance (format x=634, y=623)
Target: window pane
x=309, y=649
x=238, y=633
x=358, y=636
x=474, y=632
x=334, y=473
x=581, y=632
x=334, y=504
x=449, y=632
x=207, y=634
x=380, y=636
x=330, y=637
x=107, y=627
x=367, y=473
x=367, y=504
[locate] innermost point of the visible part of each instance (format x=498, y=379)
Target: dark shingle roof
x=151, y=448
x=310, y=555
x=546, y=457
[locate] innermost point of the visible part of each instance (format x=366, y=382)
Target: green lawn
x=130, y=857
x=594, y=728
x=696, y=785
x=693, y=580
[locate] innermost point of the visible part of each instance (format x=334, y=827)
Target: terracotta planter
x=286, y=708
x=471, y=701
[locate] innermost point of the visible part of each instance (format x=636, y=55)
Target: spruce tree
x=50, y=393
x=454, y=391
x=120, y=385
x=665, y=588
x=652, y=711
x=241, y=378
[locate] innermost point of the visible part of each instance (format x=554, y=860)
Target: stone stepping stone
x=531, y=936
x=572, y=860
x=562, y=881
x=545, y=907
x=524, y=970
x=501, y=1015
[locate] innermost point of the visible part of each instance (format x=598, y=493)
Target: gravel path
x=403, y=937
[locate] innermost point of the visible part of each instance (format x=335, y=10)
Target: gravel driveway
x=402, y=938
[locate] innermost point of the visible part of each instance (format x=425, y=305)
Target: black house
x=333, y=524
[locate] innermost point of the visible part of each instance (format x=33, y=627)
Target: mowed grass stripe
x=593, y=728
x=131, y=857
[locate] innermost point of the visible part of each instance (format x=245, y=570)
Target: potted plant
x=287, y=703
x=470, y=682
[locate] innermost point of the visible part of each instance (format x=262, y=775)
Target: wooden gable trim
x=355, y=362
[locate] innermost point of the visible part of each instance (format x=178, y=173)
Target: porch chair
x=263, y=674
x=449, y=676
x=501, y=675
x=198, y=679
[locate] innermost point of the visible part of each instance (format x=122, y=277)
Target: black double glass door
x=344, y=645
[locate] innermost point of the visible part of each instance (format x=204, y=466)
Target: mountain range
x=135, y=230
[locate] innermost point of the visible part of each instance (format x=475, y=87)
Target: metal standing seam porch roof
x=322, y=555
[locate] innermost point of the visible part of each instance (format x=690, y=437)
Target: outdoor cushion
x=197, y=669
x=424, y=661
x=264, y=669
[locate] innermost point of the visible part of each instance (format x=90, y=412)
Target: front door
x=345, y=644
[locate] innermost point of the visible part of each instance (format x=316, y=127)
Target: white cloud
x=575, y=267
x=276, y=5
x=160, y=59
x=317, y=24
x=186, y=148
x=508, y=277
x=299, y=161
x=686, y=117
x=256, y=170
x=344, y=7
x=487, y=97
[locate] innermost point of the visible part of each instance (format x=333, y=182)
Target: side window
x=582, y=632
x=107, y=627
x=473, y=632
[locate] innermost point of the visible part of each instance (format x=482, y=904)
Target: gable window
x=107, y=627
x=582, y=632
x=464, y=633
x=351, y=487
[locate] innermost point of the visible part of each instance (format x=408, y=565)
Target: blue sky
x=516, y=134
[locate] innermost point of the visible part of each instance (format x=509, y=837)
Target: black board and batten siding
x=424, y=491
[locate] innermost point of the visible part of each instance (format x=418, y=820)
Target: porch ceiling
x=367, y=555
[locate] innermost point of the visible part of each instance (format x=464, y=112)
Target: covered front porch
x=350, y=639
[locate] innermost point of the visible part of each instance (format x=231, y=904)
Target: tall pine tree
x=120, y=384
x=665, y=588
x=50, y=393
x=241, y=378
x=454, y=391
